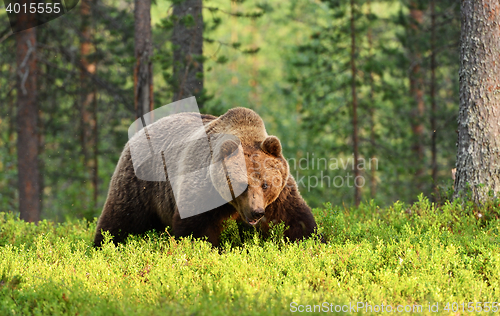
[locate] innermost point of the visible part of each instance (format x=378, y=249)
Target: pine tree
x=143, y=71
x=417, y=89
x=88, y=102
x=187, y=41
x=355, y=139
x=27, y=120
x=478, y=155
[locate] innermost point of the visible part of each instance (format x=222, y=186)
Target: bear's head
x=256, y=174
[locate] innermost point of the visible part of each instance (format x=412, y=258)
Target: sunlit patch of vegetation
x=403, y=254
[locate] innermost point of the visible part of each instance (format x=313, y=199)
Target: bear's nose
x=258, y=212
x=255, y=216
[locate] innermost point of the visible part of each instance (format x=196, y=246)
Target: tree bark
x=11, y=103
x=143, y=71
x=88, y=100
x=478, y=155
x=417, y=92
x=355, y=139
x=433, y=98
x=373, y=180
x=187, y=39
x=27, y=122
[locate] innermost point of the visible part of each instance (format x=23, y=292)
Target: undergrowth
x=406, y=255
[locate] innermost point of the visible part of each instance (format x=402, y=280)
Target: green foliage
x=402, y=254
x=230, y=236
x=277, y=232
x=66, y=182
x=320, y=78
x=187, y=20
x=237, y=234
x=371, y=223
x=291, y=65
x=222, y=60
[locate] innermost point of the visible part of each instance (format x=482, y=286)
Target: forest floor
x=422, y=258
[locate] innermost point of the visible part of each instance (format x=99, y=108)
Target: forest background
x=332, y=79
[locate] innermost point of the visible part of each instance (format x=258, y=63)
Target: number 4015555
x=34, y=8
x=472, y=307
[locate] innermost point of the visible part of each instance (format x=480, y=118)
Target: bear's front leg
x=129, y=209
x=123, y=220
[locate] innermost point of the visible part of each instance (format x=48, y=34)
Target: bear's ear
x=271, y=145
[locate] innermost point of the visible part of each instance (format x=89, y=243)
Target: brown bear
x=134, y=206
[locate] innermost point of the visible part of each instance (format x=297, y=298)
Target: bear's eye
x=264, y=185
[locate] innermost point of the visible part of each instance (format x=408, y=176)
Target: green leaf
x=222, y=60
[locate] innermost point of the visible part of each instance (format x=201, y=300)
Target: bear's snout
x=257, y=213
x=255, y=216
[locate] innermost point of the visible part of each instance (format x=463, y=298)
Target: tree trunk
x=11, y=114
x=88, y=101
x=255, y=93
x=355, y=140
x=478, y=156
x=187, y=39
x=373, y=181
x=27, y=121
x=95, y=153
x=143, y=71
x=11, y=140
x=433, y=98
x=417, y=93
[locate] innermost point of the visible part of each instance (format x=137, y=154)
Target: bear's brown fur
x=134, y=206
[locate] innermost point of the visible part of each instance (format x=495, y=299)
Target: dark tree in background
x=303, y=75
x=432, y=96
x=27, y=121
x=478, y=155
x=88, y=102
x=143, y=71
x=355, y=139
x=396, y=73
x=187, y=41
x=417, y=89
x=373, y=176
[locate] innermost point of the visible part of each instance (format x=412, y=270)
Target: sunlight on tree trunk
x=478, y=155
